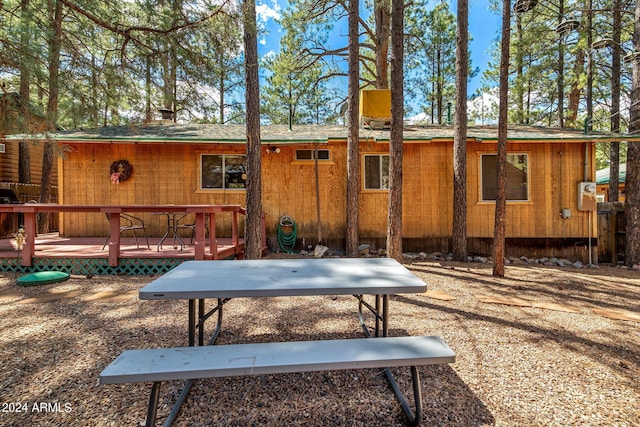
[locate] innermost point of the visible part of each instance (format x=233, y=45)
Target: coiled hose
x=287, y=233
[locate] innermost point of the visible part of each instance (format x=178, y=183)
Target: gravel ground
x=551, y=358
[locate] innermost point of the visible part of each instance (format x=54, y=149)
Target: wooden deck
x=119, y=247
x=53, y=246
x=85, y=256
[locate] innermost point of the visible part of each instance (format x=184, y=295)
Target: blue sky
x=484, y=26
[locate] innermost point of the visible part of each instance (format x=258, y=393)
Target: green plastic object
x=43, y=278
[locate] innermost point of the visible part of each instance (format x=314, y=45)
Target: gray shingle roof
x=235, y=134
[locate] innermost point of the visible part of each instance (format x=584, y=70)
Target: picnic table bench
x=267, y=278
x=197, y=362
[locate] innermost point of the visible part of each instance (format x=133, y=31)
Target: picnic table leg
x=192, y=322
x=152, y=411
x=380, y=310
x=201, y=319
x=385, y=315
x=413, y=419
x=175, y=411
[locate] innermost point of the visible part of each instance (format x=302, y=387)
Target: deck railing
x=202, y=213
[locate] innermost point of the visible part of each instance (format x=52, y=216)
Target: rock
x=481, y=259
x=578, y=264
x=422, y=255
x=319, y=251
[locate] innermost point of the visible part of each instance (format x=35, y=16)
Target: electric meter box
x=587, y=196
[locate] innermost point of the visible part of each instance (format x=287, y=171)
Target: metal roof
x=304, y=134
x=602, y=176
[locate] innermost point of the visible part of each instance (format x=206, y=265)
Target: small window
x=376, y=172
x=223, y=171
x=310, y=154
x=517, y=177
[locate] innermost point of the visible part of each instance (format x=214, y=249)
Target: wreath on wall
x=120, y=171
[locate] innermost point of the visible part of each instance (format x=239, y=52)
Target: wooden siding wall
x=168, y=173
x=554, y=173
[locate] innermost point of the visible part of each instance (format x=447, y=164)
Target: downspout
x=315, y=155
x=586, y=178
x=586, y=161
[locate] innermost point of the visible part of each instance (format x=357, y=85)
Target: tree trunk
x=519, y=86
x=614, y=165
x=24, y=149
x=221, y=90
x=501, y=198
x=576, y=89
x=632, y=199
x=561, y=70
x=253, y=232
x=459, y=236
x=382, y=31
x=439, y=94
x=148, y=116
x=55, y=42
x=353, y=149
x=394, y=224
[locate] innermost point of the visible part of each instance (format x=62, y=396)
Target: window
x=223, y=171
x=376, y=172
x=517, y=177
x=310, y=154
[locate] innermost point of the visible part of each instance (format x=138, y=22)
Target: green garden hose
x=287, y=233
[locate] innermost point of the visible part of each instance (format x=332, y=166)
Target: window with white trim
x=223, y=171
x=303, y=154
x=517, y=182
x=376, y=171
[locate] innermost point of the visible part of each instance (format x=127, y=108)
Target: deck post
x=29, y=246
x=213, y=245
x=234, y=229
x=114, y=240
x=200, y=243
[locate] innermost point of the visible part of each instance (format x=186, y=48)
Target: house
x=16, y=118
x=602, y=183
x=547, y=212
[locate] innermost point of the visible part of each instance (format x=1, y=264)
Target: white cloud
x=265, y=12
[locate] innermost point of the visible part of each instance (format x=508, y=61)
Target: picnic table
x=197, y=281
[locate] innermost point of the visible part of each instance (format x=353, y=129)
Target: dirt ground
x=541, y=347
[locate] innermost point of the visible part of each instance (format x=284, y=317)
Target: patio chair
x=129, y=223
x=192, y=226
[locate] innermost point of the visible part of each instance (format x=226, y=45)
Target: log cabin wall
x=9, y=161
x=169, y=173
